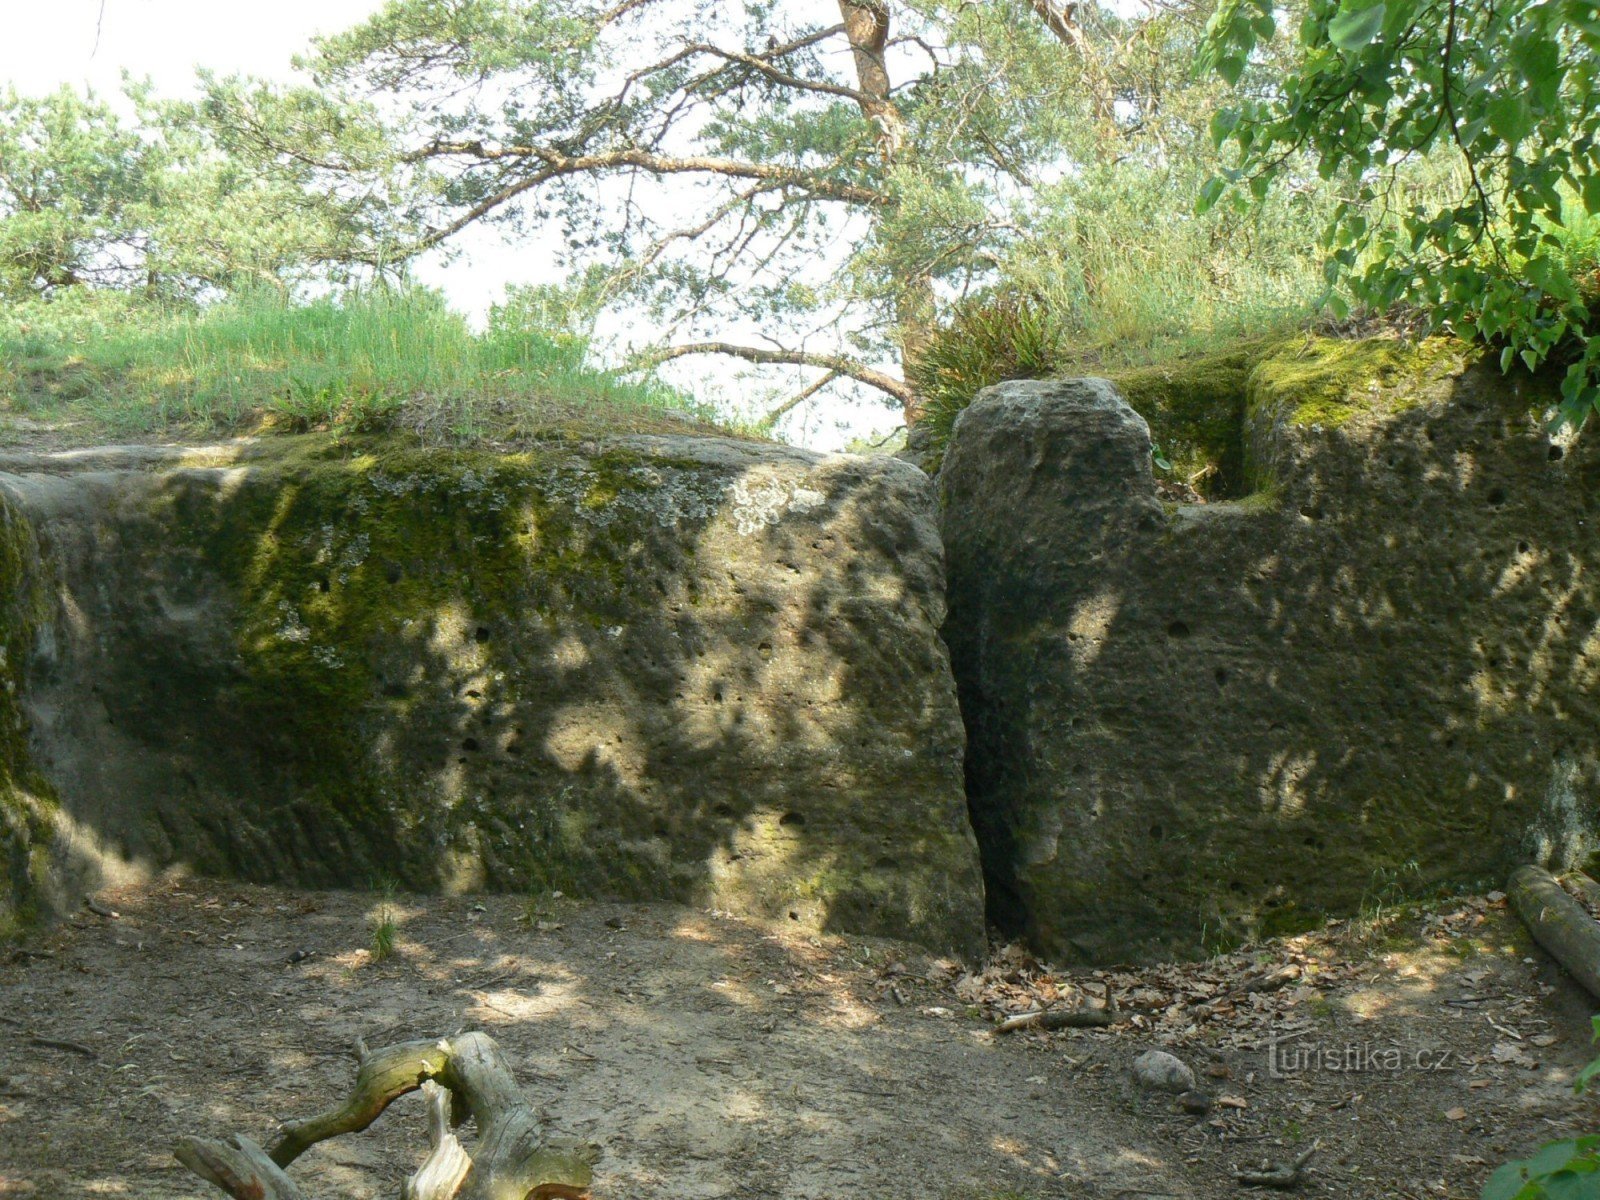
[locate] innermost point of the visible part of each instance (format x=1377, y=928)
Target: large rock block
x=1376, y=676
x=685, y=668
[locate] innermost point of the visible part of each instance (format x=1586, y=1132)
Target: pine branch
x=839, y=364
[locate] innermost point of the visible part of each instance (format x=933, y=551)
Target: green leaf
x=1505, y=1183
x=1588, y=1074
x=1210, y=192
x=1351, y=29
x=1223, y=123
x=1510, y=118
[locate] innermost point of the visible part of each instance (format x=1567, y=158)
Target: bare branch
x=768, y=422
x=1062, y=22
x=838, y=363
x=760, y=64
x=556, y=165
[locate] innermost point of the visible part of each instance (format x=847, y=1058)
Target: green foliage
x=385, y=928
x=73, y=183
x=164, y=206
x=985, y=343
x=710, y=170
x=384, y=932
x=1114, y=248
x=1565, y=1170
x=1132, y=284
x=366, y=358
x=701, y=171
x=1394, y=100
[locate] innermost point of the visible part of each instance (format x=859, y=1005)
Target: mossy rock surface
x=652, y=667
x=1380, y=675
x=27, y=811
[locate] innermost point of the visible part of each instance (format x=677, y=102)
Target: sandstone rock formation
x=650, y=667
x=1375, y=674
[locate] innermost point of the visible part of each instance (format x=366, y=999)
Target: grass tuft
x=385, y=928
x=102, y=366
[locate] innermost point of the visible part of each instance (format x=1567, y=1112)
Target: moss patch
x=1329, y=381
x=1195, y=408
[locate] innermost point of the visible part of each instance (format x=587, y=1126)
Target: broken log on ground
x=1558, y=923
x=1062, y=1018
x=1585, y=889
x=460, y=1077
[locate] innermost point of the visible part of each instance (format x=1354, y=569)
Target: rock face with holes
x=1376, y=673
x=668, y=667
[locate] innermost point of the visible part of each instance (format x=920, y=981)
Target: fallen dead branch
x=1277, y=1175
x=460, y=1077
x=1062, y=1018
x=63, y=1044
x=1558, y=923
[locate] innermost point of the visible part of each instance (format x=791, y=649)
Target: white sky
x=45, y=43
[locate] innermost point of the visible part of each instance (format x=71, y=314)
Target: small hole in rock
x=1557, y=453
x=1157, y=833
x=481, y=635
x=324, y=586
x=470, y=745
x=1497, y=497
x=1522, y=547
x=1178, y=630
x=1221, y=674
x=791, y=819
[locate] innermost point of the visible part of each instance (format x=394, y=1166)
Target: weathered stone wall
x=681, y=668
x=1378, y=674
x=26, y=812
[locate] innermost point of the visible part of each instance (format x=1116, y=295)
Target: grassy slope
x=105, y=370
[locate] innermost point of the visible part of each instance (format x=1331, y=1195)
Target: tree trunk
x=866, y=26
x=460, y=1077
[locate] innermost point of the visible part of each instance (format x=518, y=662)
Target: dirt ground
x=713, y=1057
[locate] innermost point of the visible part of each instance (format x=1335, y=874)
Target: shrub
x=985, y=343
